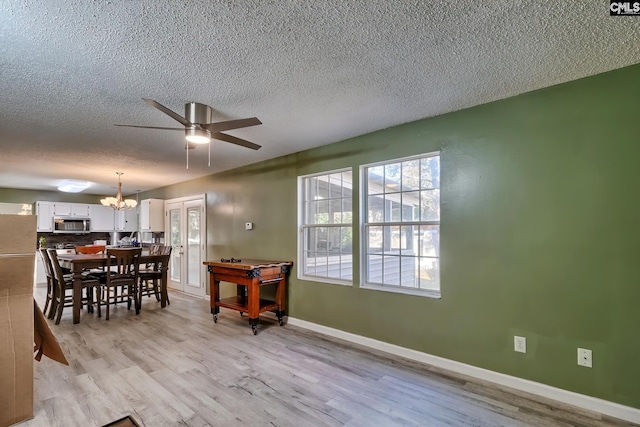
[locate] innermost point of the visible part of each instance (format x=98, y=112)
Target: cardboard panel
x=17, y=261
x=16, y=274
x=16, y=359
x=18, y=234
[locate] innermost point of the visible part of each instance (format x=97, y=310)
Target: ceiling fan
x=198, y=127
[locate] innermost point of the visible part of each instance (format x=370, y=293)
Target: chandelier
x=118, y=203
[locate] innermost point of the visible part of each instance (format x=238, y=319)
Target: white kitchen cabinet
x=152, y=215
x=80, y=209
x=102, y=218
x=126, y=220
x=44, y=212
x=71, y=209
x=61, y=209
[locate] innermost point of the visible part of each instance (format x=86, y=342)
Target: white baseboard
x=605, y=407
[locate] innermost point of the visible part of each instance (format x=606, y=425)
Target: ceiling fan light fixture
x=118, y=203
x=198, y=136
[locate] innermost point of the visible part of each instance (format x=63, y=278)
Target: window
x=326, y=233
x=401, y=237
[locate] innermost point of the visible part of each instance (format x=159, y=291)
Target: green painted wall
x=12, y=195
x=540, y=211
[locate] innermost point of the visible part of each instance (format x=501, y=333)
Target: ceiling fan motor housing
x=198, y=114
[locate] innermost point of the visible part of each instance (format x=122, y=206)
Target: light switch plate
x=520, y=344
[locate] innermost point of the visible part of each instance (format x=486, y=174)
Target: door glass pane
x=174, y=227
x=193, y=246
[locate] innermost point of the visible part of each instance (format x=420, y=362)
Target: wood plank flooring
x=175, y=367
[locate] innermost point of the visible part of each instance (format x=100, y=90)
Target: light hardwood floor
x=175, y=367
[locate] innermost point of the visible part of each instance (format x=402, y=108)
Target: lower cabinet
x=41, y=275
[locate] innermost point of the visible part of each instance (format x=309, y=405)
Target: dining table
x=77, y=263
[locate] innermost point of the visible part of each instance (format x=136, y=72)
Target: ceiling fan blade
x=168, y=112
x=235, y=140
x=149, y=127
x=232, y=124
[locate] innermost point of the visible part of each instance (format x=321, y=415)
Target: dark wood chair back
x=58, y=274
x=123, y=263
x=123, y=266
x=49, y=305
x=62, y=284
x=160, y=250
x=151, y=276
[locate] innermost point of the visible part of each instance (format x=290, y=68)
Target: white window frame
x=364, y=232
x=302, y=227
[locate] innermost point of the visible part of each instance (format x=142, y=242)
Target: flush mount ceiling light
x=198, y=136
x=73, y=186
x=118, y=203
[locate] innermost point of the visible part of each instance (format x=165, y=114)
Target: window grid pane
x=403, y=255
x=327, y=226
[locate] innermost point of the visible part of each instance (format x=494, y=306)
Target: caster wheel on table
x=215, y=318
x=280, y=322
x=255, y=330
x=241, y=314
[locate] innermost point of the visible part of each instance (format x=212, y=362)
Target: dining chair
x=64, y=288
x=100, y=272
x=122, y=273
x=49, y=305
x=151, y=275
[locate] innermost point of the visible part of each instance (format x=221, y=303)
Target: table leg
x=163, y=287
x=215, y=297
x=241, y=291
x=281, y=298
x=77, y=295
x=253, y=304
x=254, y=325
x=137, y=293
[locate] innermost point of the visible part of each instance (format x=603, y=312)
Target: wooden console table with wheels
x=249, y=275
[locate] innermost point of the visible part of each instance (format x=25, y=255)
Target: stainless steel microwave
x=71, y=225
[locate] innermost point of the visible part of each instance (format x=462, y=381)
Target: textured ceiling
x=314, y=72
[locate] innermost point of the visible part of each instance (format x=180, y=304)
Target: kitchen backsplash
x=72, y=240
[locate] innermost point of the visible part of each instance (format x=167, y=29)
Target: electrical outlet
x=248, y=226
x=585, y=357
x=520, y=344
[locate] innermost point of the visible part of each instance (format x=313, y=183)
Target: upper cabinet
x=44, y=212
x=102, y=218
x=70, y=209
x=126, y=220
x=152, y=215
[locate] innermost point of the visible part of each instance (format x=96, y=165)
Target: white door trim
x=201, y=290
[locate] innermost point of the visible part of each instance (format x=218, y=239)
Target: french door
x=186, y=226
